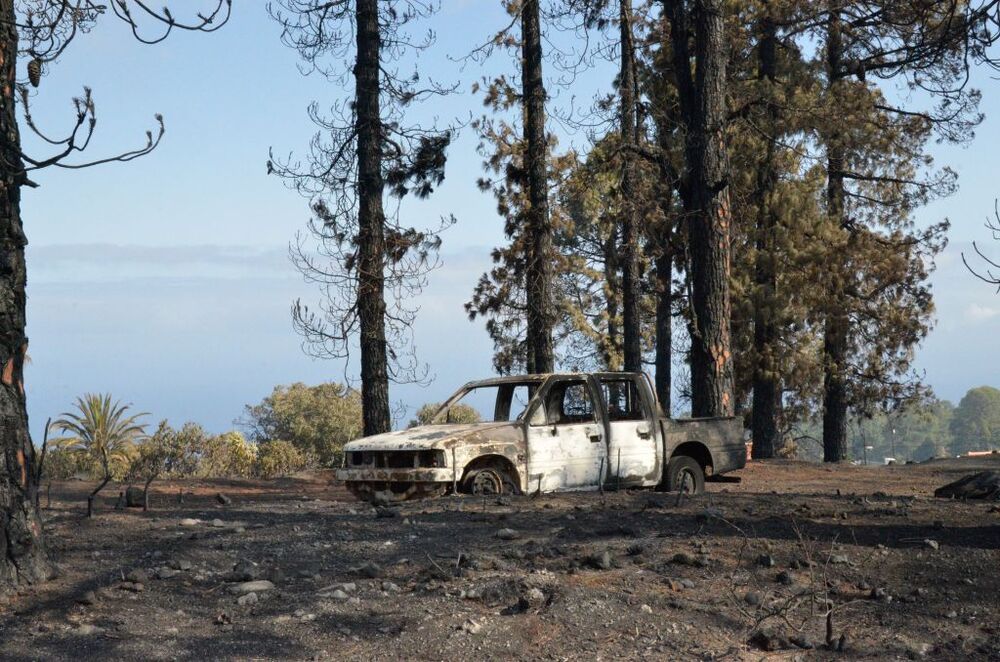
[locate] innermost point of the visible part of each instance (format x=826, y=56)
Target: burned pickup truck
x=545, y=433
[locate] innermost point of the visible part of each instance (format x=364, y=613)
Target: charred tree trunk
x=766, y=380
x=145, y=493
x=97, y=490
x=371, y=224
x=22, y=553
x=706, y=199
x=539, y=268
x=835, y=338
x=631, y=313
x=664, y=327
x=612, y=343
x=664, y=266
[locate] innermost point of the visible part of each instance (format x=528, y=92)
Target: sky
x=166, y=281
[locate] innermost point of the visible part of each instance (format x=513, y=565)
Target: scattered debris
x=983, y=485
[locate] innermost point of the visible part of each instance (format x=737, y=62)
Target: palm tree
x=102, y=431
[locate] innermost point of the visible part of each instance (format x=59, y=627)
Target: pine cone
x=35, y=72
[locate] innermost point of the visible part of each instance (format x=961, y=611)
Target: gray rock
x=219, y=524
x=337, y=594
x=471, y=626
x=247, y=599
x=390, y=587
x=839, y=559
x=533, y=598
x=164, y=572
x=753, y=598
x=916, y=649
x=245, y=570
x=507, y=534
x=931, y=544
x=252, y=587
x=138, y=575
x=132, y=587
x=346, y=587
x=86, y=629
x=180, y=564
x=223, y=499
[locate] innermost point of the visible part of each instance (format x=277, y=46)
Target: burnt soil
x=748, y=570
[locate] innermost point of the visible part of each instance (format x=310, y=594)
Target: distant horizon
x=215, y=315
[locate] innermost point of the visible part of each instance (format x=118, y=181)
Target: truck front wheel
x=685, y=474
x=489, y=481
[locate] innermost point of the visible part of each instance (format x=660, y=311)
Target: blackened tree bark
x=22, y=553
x=612, y=344
x=664, y=329
x=538, y=273
x=766, y=380
x=631, y=309
x=664, y=266
x=835, y=335
x=371, y=224
x=705, y=193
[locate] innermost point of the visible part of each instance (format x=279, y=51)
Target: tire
x=490, y=481
x=684, y=471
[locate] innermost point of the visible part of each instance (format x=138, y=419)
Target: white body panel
x=564, y=457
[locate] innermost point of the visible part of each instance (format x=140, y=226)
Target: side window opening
x=624, y=400
x=569, y=403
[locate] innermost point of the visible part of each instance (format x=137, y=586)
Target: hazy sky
x=166, y=280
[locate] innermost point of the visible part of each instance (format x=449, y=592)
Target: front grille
x=396, y=459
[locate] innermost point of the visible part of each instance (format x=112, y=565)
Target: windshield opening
x=495, y=403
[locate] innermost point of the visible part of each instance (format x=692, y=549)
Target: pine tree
x=698, y=38
x=363, y=153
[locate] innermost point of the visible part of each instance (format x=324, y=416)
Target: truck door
x=633, y=446
x=566, y=446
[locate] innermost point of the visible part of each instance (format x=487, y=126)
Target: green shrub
x=228, y=455
x=278, y=458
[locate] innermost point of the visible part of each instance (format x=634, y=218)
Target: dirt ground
x=750, y=570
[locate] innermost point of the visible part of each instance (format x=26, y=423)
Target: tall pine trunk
x=664, y=326
x=22, y=553
x=766, y=381
x=835, y=338
x=631, y=314
x=612, y=343
x=538, y=274
x=371, y=223
x=706, y=200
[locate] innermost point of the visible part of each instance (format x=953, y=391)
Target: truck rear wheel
x=685, y=474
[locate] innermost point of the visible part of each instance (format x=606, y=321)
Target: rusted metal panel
x=722, y=438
